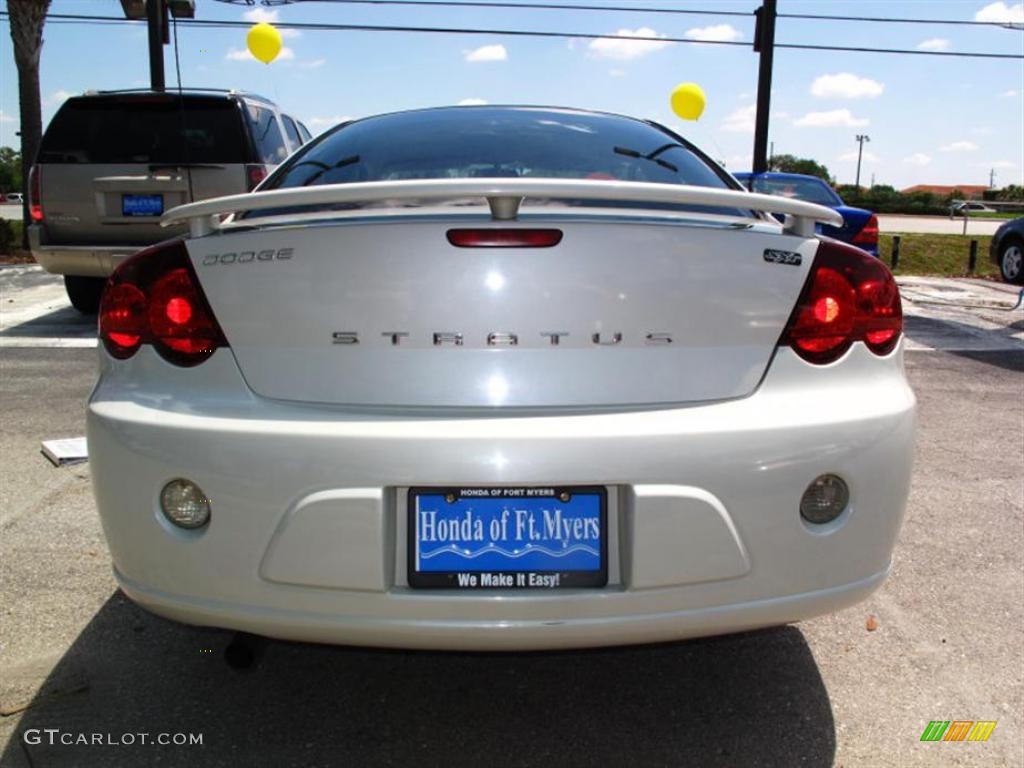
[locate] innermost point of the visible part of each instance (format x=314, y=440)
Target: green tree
x=10, y=170
x=793, y=164
x=25, y=19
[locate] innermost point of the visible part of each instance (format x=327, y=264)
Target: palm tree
x=26, y=19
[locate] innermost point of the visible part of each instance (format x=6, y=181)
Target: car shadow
x=64, y=322
x=993, y=346
x=749, y=699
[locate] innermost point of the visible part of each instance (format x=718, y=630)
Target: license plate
x=508, y=538
x=142, y=205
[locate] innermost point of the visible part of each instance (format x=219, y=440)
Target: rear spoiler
x=504, y=196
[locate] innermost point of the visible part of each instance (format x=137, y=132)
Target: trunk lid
x=369, y=313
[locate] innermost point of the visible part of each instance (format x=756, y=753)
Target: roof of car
x=776, y=175
x=501, y=107
x=175, y=92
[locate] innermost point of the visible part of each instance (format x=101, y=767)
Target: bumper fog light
x=184, y=504
x=824, y=500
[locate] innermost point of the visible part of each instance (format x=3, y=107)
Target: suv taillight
x=35, y=197
x=254, y=174
x=155, y=298
x=868, y=234
x=850, y=296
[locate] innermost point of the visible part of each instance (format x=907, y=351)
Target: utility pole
x=992, y=179
x=155, y=13
x=764, y=44
x=861, y=138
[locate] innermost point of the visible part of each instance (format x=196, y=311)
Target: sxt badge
x=782, y=257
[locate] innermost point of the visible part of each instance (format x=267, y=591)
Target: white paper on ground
x=69, y=450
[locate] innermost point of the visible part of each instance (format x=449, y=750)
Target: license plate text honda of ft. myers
x=496, y=378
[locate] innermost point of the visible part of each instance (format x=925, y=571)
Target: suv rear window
x=151, y=129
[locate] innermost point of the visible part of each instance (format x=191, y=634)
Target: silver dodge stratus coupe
x=498, y=378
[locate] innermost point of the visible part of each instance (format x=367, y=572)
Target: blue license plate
x=508, y=538
x=142, y=205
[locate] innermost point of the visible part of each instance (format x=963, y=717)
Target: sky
x=930, y=119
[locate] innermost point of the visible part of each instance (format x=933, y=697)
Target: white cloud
x=5, y=118
x=934, y=44
x=846, y=86
x=236, y=54
x=256, y=15
x=851, y=157
x=59, y=97
x=836, y=118
x=1010, y=94
x=960, y=146
x=609, y=48
x=717, y=33
x=918, y=158
x=472, y=102
x=740, y=120
x=487, y=53
x=1004, y=164
x=320, y=124
x=311, y=63
x=617, y=72
x=1001, y=13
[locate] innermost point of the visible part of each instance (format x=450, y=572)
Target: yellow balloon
x=264, y=42
x=688, y=101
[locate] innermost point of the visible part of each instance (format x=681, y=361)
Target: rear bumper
x=87, y=261
x=307, y=538
x=502, y=635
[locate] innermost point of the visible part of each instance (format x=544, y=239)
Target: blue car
x=860, y=227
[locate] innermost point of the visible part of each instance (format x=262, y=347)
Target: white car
x=500, y=378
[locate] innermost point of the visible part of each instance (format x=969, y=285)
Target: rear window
x=498, y=142
x=808, y=190
x=157, y=129
x=506, y=142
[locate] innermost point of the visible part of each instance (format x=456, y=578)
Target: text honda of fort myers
x=500, y=378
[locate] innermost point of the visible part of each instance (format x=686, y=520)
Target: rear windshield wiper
x=324, y=168
x=653, y=156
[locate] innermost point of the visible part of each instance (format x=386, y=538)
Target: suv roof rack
x=172, y=91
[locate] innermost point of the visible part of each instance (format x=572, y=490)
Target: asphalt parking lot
x=76, y=655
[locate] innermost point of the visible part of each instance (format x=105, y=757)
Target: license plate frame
x=503, y=573
x=142, y=206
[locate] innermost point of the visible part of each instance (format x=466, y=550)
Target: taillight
x=504, y=238
x=155, y=298
x=35, y=197
x=868, y=234
x=254, y=174
x=850, y=296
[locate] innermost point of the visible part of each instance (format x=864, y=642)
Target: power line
x=526, y=6
x=320, y=27
x=623, y=9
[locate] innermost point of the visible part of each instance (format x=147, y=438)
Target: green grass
x=10, y=237
x=937, y=254
x=994, y=215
